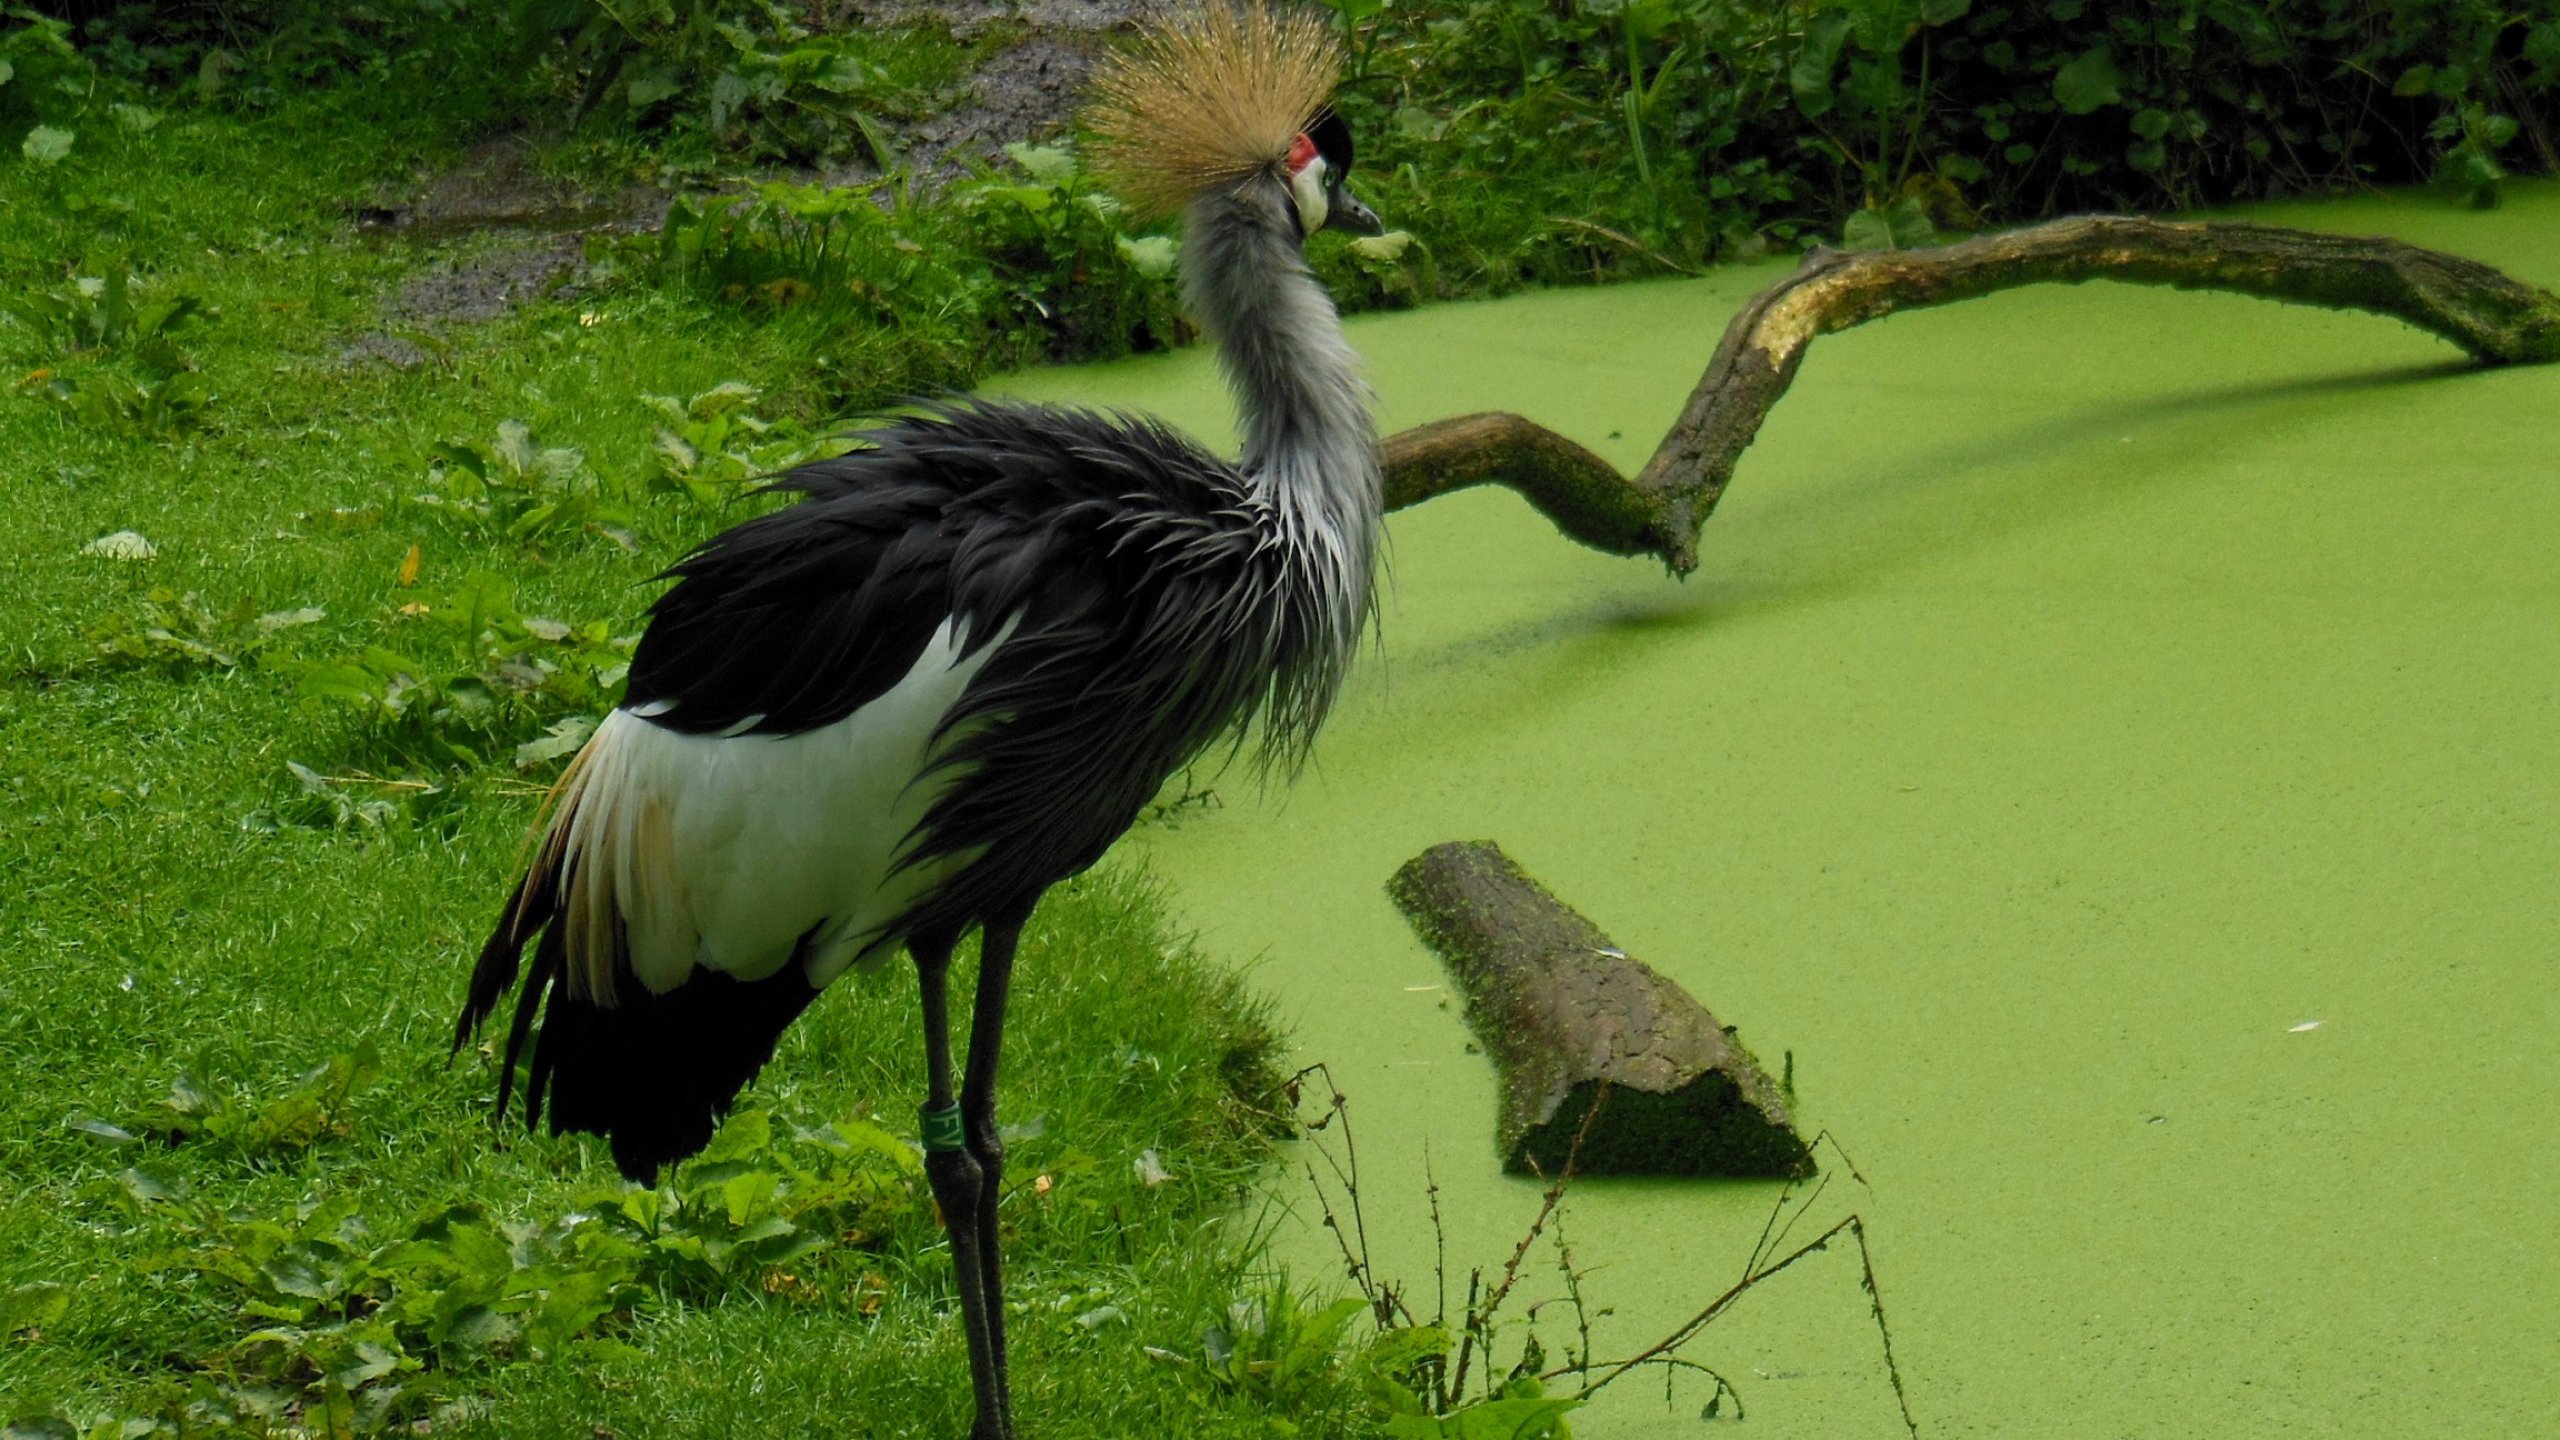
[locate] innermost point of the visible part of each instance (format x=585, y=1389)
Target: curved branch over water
x=2497, y=320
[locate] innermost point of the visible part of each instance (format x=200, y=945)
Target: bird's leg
x=978, y=1115
x=958, y=1185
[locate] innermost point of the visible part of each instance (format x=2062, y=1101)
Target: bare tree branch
x=2495, y=319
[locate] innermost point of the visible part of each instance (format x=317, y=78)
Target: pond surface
x=2083, y=689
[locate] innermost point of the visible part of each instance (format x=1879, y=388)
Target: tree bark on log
x=1570, y=1021
x=2495, y=319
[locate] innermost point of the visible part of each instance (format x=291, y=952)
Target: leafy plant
x=312, y=1109
x=351, y=1326
x=473, y=673
x=1062, y=265
x=1588, y=141
x=183, y=632
x=99, y=312
x=760, y=1197
x=117, y=406
x=355, y=1330
x=41, y=70
x=753, y=78
x=1275, y=1345
x=512, y=490
x=713, y=448
x=339, y=802
x=1002, y=268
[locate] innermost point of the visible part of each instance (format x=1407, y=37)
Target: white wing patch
x=723, y=850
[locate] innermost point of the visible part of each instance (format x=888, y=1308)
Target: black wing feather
x=1137, y=581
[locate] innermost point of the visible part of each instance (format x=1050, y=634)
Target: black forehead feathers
x=1333, y=140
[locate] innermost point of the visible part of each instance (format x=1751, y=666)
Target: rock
x=1566, y=1016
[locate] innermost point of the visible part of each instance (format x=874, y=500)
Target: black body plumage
x=1133, y=587
x=1132, y=576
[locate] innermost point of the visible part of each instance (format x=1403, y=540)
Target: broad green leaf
x=149, y=1186
x=746, y=1134
x=648, y=89
x=1810, y=77
x=2089, y=82
x=745, y=1195
x=366, y=1362
x=275, y=620
x=46, y=145
x=1907, y=221
x=295, y=1272
x=1387, y=247
x=462, y=456
x=1154, y=256
x=770, y=1227
x=2542, y=47
x=1883, y=27
x=1866, y=230
x=722, y=398
x=1049, y=164
x=101, y=1130
x=866, y=1137
x=1398, y=1350
x=575, y=1301
x=30, y=1307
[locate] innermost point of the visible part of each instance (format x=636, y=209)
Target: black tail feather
x=547, y=961
x=497, y=968
x=653, y=1073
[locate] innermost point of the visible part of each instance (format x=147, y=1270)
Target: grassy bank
x=260, y=792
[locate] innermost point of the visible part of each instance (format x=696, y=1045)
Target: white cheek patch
x=1308, y=188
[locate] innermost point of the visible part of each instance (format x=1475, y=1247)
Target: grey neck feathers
x=1309, y=446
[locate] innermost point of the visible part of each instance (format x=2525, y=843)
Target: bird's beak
x=1351, y=217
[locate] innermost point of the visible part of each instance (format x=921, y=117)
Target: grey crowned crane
x=951, y=675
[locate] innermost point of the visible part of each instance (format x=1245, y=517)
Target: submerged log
x=1570, y=1020
x=2495, y=319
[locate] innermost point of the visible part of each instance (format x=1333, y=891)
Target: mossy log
x=1571, y=1020
x=2494, y=318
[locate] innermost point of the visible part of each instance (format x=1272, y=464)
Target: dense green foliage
x=1517, y=140
x=1560, y=141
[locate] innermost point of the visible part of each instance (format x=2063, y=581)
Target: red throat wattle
x=1302, y=153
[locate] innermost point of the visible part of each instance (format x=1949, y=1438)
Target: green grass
x=177, y=903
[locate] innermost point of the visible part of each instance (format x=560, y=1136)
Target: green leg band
x=942, y=1129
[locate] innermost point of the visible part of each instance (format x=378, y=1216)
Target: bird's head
x=1319, y=162
x=1223, y=96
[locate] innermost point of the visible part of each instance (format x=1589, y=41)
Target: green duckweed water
x=2082, y=689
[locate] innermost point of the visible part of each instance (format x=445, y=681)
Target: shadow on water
x=1974, y=492
x=2019, y=479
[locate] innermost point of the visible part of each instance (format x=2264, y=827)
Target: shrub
x=1002, y=268
x=739, y=79
x=1526, y=140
